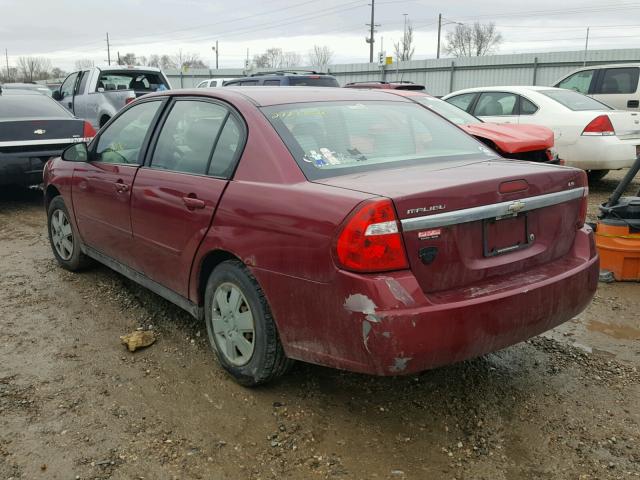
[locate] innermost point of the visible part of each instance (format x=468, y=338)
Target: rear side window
x=493, y=104
x=574, y=101
x=578, y=82
x=313, y=81
x=188, y=136
x=30, y=106
x=619, y=80
x=122, y=140
x=272, y=82
x=248, y=83
x=227, y=149
x=336, y=138
x=463, y=101
x=527, y=107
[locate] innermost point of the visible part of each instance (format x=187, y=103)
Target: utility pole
x=6, y=56
x=439, y=30
x=215, y=49
x=246, y=62
x=108, y=50
x=586, y=47
x=119, y=63
x=370, y=40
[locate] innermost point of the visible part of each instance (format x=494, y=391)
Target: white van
x=615, y=85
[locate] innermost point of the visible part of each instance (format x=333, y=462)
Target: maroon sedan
x=347, y=228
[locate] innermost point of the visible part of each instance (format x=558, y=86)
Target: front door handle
x=192, y=202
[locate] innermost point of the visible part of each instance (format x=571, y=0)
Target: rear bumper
x=23, y=170
x=386, y=325
x=600, y=153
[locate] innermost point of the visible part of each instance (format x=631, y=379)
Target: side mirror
x=100, y=90
x=77, y=152
x=56, y=95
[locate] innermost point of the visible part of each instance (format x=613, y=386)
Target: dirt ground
x=75, y=404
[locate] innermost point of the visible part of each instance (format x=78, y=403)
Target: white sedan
x=588, y=134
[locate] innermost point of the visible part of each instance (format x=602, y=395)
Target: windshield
x=448, y=111
x=313, y=81
x=575, y=101
x=132, y=80
x=336, y=138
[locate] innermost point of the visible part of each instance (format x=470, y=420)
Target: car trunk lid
x=463, y=225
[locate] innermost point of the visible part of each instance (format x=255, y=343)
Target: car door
x=79, y=96
x=68, y=90
x=101, y=188
x=497, y=107
x=176, y=193
x=618, y=88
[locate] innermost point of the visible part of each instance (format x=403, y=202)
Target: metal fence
x=445, y=75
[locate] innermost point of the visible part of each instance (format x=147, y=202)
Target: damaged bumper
x=386, y=325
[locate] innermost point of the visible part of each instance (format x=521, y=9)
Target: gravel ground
x=75, y=404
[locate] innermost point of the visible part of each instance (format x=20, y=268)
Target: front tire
x=240, y=326
x=64, y=238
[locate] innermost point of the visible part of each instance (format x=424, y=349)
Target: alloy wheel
x=61, y=234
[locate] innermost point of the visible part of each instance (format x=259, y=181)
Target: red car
x=347, y=228
x=520, y=142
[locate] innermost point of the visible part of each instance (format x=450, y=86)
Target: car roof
x=503, y=88
x=19, y=91
x=608, y=65
x=266, y=96
x=120, y=68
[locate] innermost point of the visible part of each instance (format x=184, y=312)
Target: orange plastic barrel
x=619, y=251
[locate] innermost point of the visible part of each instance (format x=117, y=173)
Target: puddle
x=621, y=332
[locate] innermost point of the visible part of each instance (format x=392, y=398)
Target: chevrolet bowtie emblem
x=516, y=206
x=39, y=131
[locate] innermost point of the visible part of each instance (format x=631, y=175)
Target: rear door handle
x=193, y=202
x=121, y=187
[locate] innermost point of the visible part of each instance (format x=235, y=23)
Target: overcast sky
x=68, y=30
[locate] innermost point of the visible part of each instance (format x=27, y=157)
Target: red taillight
x=582, y=213
x=88, y=131
x=601, y=125
x=370, y=240
x=129, y=100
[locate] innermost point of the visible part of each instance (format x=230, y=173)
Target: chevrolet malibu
x=346, y=228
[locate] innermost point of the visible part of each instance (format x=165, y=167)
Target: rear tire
x=596, y=175
x=64, y=238
x=240, y=326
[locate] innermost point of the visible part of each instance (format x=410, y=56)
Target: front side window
x=495, y=104
x=122, y=140
x=578, y=82
x=336, y=138
x=574, y=101
x=66, y=89
x=619, y=80
x=272, y=82
x=188, y=136
x=83, y=82
x=462, y=101
x=248, y=83
x=202, y=84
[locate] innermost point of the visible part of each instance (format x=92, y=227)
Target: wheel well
x=104, y=119
x=209, y=262
x=50, y=194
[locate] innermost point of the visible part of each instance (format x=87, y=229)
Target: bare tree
x=84, y=63
x=473, y=40
x=404, y=49
x=181, y=60
x=34, y=68
x=320, y=56
x=128, y=59
x=291, y=59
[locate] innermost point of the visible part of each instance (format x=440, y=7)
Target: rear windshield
x=30, y=106
x=448, y=111
x=313, y=81
x=336, y=138
x=132, y=80
x=575, y=101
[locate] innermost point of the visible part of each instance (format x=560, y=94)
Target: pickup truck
x=98, y=93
